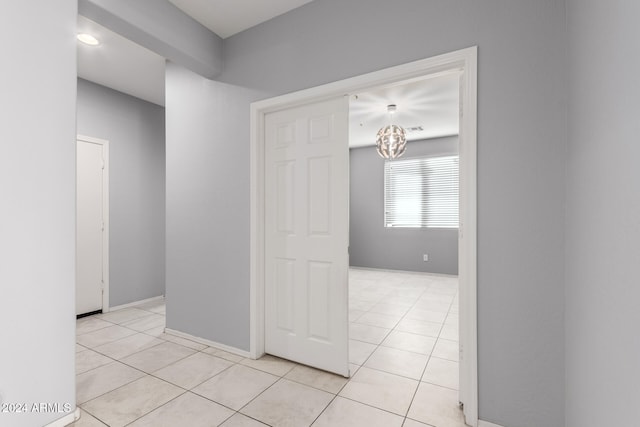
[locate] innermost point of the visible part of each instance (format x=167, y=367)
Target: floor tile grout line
x=170, y=364
x=427, y=364
x=371, y=406
x=312, y=386
x=399, y=375
x=335, y=396
x=381, y=344
x=113, y=360
x=283, y=376
x=93, y=415
x=149, y=373
x=123, y=357
x=255, y=419
x=155, y=409
x=161, y=379
x=200, y=383
x=421, y=422
x=213, y=401
x=107, y=392
x=116, y=324
x=94, y=349
x=258, y=395
x=428, y=357
x=237, y=363
x=140, y=370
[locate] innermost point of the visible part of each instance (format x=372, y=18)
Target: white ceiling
x=228, y=17
x=432, y=104
x=122, y=65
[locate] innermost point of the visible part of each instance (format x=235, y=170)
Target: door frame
x=105, y=214
x=465, y=61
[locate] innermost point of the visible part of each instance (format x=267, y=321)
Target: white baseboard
x=66, y=420
x=210, y=343
x=487, y=424
x=386, y=270
x=133, y=304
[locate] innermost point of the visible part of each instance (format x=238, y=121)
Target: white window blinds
x=421, y=192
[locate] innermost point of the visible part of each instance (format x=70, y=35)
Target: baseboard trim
x=210, y=343
x=66, y=420
x=482, y=423
x=133, y=304
x=389, y=270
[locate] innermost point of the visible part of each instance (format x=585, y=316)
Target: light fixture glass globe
x=391, y=142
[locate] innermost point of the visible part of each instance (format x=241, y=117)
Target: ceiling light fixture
x=391, y=140
x=88, y=39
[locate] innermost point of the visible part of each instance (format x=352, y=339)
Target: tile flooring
x=403, y=355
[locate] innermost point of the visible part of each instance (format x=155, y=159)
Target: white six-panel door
x=306, y=235
x=90, y=226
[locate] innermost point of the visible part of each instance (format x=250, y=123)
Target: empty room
x=204, y=241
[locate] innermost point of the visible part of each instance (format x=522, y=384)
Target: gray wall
x=37, y=213
x=136, y=134
x=521, y=168
x=370, y=243
x=207, y=207
x=603, y=215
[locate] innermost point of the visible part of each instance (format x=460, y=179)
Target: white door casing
x=467, y=242
x=464, y=61
x=92, y=199
x=306, y=239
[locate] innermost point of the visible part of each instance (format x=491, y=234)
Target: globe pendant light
x=391, y=140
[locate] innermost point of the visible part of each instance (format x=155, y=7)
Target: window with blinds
x=421, y=192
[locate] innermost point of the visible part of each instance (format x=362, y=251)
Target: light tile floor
x=403, y=355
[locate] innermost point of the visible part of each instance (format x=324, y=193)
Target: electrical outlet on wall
x=425, y=257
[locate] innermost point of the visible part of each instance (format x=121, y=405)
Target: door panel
x=284, y=282
x=319, y=179
x=306, y=239
x=89, y=227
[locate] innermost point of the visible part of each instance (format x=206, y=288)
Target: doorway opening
x=403, y=242
x=462, y=61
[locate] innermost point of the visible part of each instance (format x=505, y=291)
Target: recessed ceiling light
x=88, y=39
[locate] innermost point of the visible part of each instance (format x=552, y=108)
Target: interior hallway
x=403, y=354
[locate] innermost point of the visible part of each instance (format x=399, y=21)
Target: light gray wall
x=208, y=207
x=521, y=158
x=374, y=246
x=136, y=134
x=37, y=213
x=521, y=167
x=603, y=215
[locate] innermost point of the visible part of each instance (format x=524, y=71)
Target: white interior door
x=306, y=235
x=90, y=225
